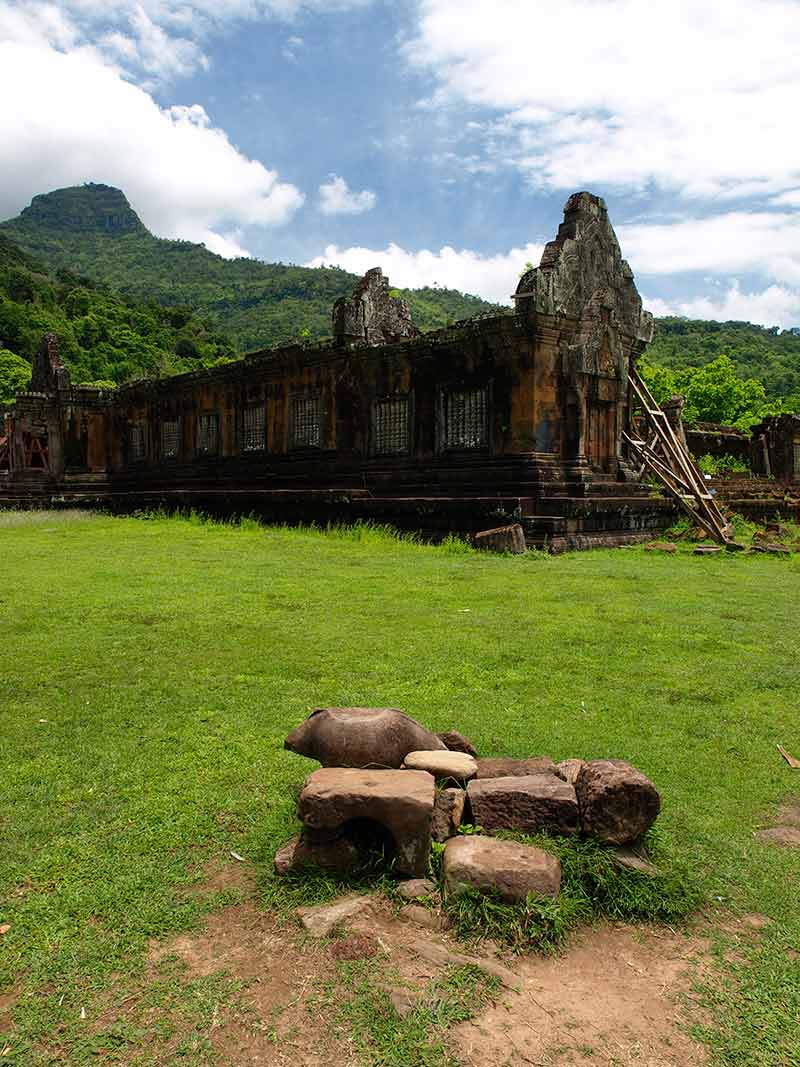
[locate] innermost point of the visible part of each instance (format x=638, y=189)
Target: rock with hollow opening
x=360, y=737
x=617, y=802
x=514, y=870
x=399, y=801
x=529, y=804
x=337, y=854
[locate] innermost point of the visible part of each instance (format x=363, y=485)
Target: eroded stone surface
x=617, y=802
x=529, y=804
x=320, y=920
x=338, y=854
x=503, y=767
x=372, y=315
x=400, y=801
x=416, y=888
x=360, y=737
x=502, y=539
x=569, y=769
x=443, y=764
x=513, y=869
x=448, y=811
x=457, y=742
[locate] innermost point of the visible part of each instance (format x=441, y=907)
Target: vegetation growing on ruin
x=152, y=669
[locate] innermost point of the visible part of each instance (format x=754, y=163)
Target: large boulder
x=530, y=804
x=617, y=802
x=504, y=767
x=512, y=869
x=360, y=737
x=399, y=801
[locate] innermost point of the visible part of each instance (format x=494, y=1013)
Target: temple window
x=466, y=418
x=136, y=447
x=208, y=434
x=254, y=425
x=390, y=436
x=306, y=422
x=170, y=438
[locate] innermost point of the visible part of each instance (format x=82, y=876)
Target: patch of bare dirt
x=610, y=1000
x=7, y=1004
x=222, y=873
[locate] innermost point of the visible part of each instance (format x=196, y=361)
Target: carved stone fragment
x=372, y=315
x=360, y=737
x=530, y=804
x=502, y=539
x=448, y=811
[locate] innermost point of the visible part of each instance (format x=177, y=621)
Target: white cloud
x=774, y=306
x=758, y=242
x=491, y=277
x=337, y=198
x=81, y=122
x=696, y=96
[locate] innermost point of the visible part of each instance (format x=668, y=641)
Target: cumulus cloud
x=82, y=121
x=695, y=96
x=337, y=198
x=773, y=306
x=491, y=277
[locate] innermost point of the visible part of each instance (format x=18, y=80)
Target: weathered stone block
x=514, y=768
x=337, y=854
x=514, y=870
x=535, y=802
x=399, y=801
x=617, y=802
x=448, y=811
x=360, y=737
x=502, y=539
x=457, y=742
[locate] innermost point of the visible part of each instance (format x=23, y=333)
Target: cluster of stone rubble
x=382, y=769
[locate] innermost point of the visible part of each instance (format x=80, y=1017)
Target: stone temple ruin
x=383, y=769
x=514, y=417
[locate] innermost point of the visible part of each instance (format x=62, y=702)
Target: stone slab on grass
x=400, y=801
x=320, y=919
x=514, y=870
x=617, y=802
x=360, y=737
x=528, y=804
x=456, y=765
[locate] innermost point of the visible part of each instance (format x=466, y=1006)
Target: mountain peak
x=89, y=208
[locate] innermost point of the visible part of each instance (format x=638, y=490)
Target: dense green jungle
x=125, y=304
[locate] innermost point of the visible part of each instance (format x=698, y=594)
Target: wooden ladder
x=665, y=456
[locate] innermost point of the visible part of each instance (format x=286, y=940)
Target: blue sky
x=437, y=138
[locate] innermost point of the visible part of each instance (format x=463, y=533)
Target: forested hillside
x=103, y=336
x=92, y=230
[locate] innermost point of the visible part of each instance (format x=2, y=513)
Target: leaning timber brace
x=665, y=456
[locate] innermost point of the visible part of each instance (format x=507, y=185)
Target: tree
x=15, y=375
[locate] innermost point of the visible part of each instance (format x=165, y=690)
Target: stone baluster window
x=466, y=418
x=170, y=438
x=390, y=426
x=208, y=434
x=306, y=422
x=137, y=452
x=254, y=428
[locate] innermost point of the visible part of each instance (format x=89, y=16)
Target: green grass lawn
x=150, y=670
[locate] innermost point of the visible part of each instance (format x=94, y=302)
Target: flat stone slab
x=503, y=767
x=443, y=764
x=360, y=737
x=617, y=802
x=514, y=870
x=416, y=888
x=320, y=920
x=528, y=804
x=400, y=801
